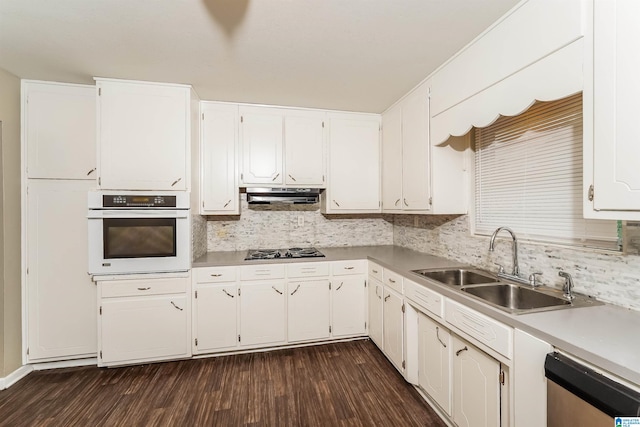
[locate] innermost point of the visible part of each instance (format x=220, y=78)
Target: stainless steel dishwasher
x=580, y=396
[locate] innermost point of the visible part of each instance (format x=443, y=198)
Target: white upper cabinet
x=304, y=148
x=611, y=142
x=143, y=135
x=354, y=164
x=219, y=178
x=392, y=160
x=261, y=136
x=59, y=126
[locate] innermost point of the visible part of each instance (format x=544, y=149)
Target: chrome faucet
x=568, y=285
x=516, y=268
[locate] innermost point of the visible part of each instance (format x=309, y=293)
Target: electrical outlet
x=300, y=221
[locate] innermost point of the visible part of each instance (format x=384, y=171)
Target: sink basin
x=458, y=276
x=515, y=297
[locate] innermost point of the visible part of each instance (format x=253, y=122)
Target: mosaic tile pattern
x=198, y=236
x=277, y=226
x=610, y=277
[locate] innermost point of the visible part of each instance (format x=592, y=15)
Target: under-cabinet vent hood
x=303, y=196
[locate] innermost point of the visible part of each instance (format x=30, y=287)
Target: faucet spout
x=516, y=267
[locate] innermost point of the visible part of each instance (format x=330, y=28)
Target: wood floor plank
x=339, y=384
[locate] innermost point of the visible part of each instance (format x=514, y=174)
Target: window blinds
x=529, y=177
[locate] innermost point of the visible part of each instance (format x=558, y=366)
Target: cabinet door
x=375, y=312
x=434, y=359
x=354, y=164
x=476, y=386
x=219, y=184
x=262, y=313
x=61, y=299
x=308, y=307
x=416, y=189
x=349, y=306
x=304, y=149
x=60, y=130
x=261, y=141
x=215, y=317
x=143, y=136
x=393, y=328
x=616, y=93
x=144, y=328
x=392, y=160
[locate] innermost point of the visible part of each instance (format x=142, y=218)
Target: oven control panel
x=138, y=201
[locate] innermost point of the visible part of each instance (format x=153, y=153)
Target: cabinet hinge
x=322, y=124
x=329, y=285
x=379, y=204
x=241, y=119
x=404, y=365
x=238, y=338
x=241, y=177
x=365, y=326
x=27, y=271
x=365, y=283
x=322, y=178
x=238, y=291
x=99, y=180
x=501, y=377
x=100, y=310
x=27, y=351
x=196, y=342
x=403, y=307
x=99, y=91
x=100, y=354
x=329, y=328
x=203, y=204
x=590, y=194
x=431, y=200
x=196, y=295
x=202, y=116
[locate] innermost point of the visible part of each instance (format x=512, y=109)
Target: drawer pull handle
x=461, y=350
x=396, y=203
x=91, y=171
x=216, y=275
x=276, y=177
x=292, y=178
x=274, y=288
x=227, y=204
x=387, y=297
x=337, y=204
x=438, y=335
x=341, y=283
x=144, y=289
x=295, y=290
x=227, y=293
x=375, y=271
x=379, y=297
x=391, y=280
x=174, y=304
x=176, y=181
x=405, y=202
x=348, y=268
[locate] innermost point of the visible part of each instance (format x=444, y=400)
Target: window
x=528, y=176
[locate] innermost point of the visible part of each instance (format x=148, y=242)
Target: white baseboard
x=15, y=376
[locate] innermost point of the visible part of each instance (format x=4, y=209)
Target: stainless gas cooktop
x=254, y=254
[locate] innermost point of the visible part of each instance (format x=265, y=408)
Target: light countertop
x=606, y=336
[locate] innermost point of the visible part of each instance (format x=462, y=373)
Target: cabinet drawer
x=375, y=271
x=341, y=268
x=140, y=287
x=308, y=269
x=215, y=274
x=263, y=271
x=424, y=298
x=490, y=332
x=392, y=280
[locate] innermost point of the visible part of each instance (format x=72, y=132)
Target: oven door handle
x=100, y=214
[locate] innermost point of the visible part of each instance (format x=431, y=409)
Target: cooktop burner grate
x=257, y=254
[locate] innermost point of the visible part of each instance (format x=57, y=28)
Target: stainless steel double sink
x=511, y=297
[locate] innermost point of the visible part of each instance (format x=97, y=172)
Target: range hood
x=303, y=196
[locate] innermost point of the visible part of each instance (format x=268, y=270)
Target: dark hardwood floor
x=350, y=384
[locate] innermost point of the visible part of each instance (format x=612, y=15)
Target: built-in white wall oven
x=134, y=232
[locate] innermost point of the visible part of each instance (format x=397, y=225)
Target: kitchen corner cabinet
x=59, y=130
x=308, y=305
x=142, y=320
x=60, y=297
x=219, y=191
x=282, y=147
x=611, y=146
x=476, y=386
x=354, y=164
x=144, y=135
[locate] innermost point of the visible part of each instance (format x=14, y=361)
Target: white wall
x=610, y=277
x=10, y=300
x=273, y=226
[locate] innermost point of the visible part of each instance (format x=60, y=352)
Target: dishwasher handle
x=609, y=396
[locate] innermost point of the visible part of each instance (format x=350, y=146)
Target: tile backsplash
x=608, y=276
x=283, y=226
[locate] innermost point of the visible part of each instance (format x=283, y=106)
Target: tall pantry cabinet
x=59, y=168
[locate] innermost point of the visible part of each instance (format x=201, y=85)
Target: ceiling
x=357, y=55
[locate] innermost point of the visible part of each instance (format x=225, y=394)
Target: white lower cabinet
x=308, y=309
x=215, y=317
x=348, y=314
x=393, y=327
x=375, y=312
x=143, y=320
x=263, y=313
x=434, y=361
x=476, y=386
